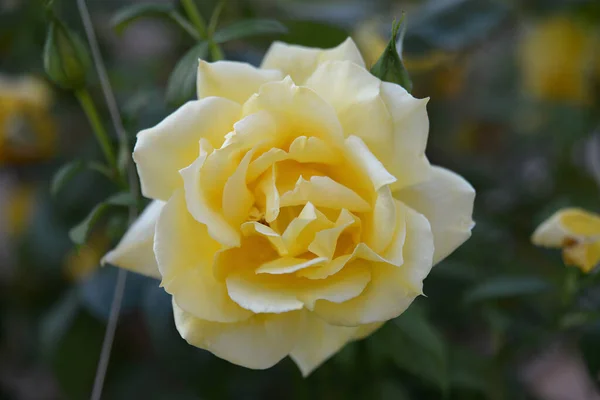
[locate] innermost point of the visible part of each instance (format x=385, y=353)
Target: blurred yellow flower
x=82, y=261
x=558, y=58
x=294, y=207
x=27, y=131
x=577, y=232
x=19, y=209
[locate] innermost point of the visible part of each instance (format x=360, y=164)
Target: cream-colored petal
x=301, y=231
x=263, y=293
x=325, y=241
x=323, y=191
x=347, y=284
x=135, y=250
x=367, y=330
x=268, y=187
x=300, y=62
x=392, y=124
x=254, y=251
x=265, y=161
x=569, y=223
x=297, y=111
x=313, y=150
x=447, y=201
x=185, y=252
x=258, y=342
x=381, y=223
x=391, y=289
x=197, y=184
x=161, y=151
x=237, y=198
x=318, y=342
x=277, y=293
x=232, y=80
x=362, y=156
x=407, y=160
x=256, y=228
x=288, y=265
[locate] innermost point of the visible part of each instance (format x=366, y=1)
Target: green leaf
x=506, y=287
x=66, y=58
x=182, y=82
x=314, y=34
x=81, y=231
x=453, y=25
x=389, y=67
x=129, y=14
x=64, y=176
x=249, y=27
x=589, y=345
x=418, y=348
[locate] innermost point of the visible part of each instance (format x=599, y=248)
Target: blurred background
x=515, y=108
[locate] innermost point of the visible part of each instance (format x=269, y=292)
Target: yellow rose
x=27, y=132
x=294, y=209
x=577, y=232
x=558, y=56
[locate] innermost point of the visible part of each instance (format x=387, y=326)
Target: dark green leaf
x=55, y=324
x=419, y=349
x=182, y=82
x=129, y=14
x=505, y=287
x=389, y=67
x=64, y=176
x=249, y=27
x=589, y=345
x=66, y=58
x=80, y=233
x=314, y=34
x=454, y=25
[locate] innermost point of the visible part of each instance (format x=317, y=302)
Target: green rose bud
x=66, y=58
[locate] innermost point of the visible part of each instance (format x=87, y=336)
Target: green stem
x=185, y=25
x=216, y=53
x=101, y=135
x=214, y=18
x=194, y=15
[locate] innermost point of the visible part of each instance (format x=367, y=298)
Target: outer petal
x=185, y=251
x=258, y=342
x=135, y=252
x=447, y=202
x=161, y=151
x=232, y=80
x=570, y=223
x=319, y=342
x=392, y=289
x=300, y=62
x=392, y=123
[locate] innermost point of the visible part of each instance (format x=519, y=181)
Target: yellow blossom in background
x=80, y=262
x=559, y=57
x=294, y=207
x=577, y=232
x=19, y=209
x=27, y=131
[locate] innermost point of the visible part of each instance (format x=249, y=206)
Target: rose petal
x=258, y=342
x=300, y=62
x=318, y=342
x=392, y=289
x=447, y=202
x=323, y=191
x=232, y=80
x=185, y=252
x=135, y=250
x=161, y=151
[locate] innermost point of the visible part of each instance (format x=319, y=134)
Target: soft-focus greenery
x=515, y=108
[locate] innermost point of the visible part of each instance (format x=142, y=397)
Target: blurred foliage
x=515, y=102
